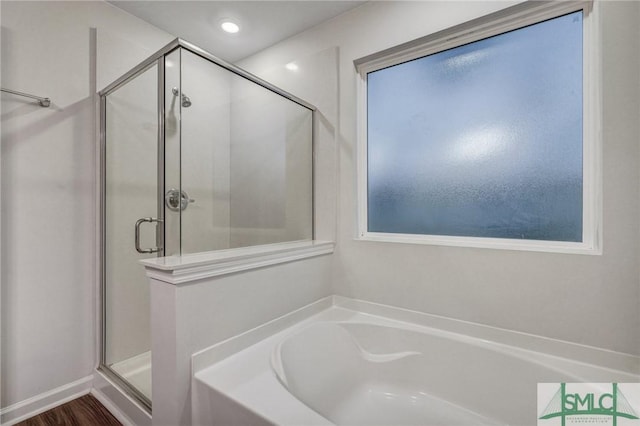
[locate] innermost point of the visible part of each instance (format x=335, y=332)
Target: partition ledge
x=184, y=269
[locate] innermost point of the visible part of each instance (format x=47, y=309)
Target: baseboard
x=33, y=406
x=124, y=408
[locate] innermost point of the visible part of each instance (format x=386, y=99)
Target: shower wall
x=206, y=138
x=245, y=160
x=270, y=164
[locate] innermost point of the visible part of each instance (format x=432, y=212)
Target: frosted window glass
x=482, y=140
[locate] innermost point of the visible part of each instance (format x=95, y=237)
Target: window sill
x=191, y=267
x=488, y=243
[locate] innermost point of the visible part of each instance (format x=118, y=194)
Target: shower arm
x=185, y=101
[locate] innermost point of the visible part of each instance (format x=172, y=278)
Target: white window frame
x=508, y=19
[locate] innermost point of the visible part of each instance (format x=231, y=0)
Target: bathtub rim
x=576, y=352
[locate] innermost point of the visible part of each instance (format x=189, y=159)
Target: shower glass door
x=197, y=155
x=133, y=228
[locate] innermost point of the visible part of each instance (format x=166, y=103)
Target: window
x=484, y=137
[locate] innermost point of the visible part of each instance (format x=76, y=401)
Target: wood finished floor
x=84, y=411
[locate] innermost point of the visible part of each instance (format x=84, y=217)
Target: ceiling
x=262, y=23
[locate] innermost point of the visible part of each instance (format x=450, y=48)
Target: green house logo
x=565, y=404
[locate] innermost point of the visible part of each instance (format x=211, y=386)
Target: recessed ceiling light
x=229, y=26
x=291, y=66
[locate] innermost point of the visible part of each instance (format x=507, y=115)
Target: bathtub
x=347, y=367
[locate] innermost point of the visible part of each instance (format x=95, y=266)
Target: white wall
x=592, y=300
x=49, y=181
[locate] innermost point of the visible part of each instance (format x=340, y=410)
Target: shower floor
x=137, y=371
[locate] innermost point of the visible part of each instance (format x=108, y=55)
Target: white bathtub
x=351, y=368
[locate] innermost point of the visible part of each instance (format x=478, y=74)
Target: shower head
x=185, y=101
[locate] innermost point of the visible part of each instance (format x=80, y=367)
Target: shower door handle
x=137, y=235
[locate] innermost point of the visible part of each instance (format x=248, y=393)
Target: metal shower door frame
x=122, y=383
x=158, y=59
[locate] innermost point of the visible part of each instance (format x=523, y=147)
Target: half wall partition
x=196, y=155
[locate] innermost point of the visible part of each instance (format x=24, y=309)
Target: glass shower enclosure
x=196, y=155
